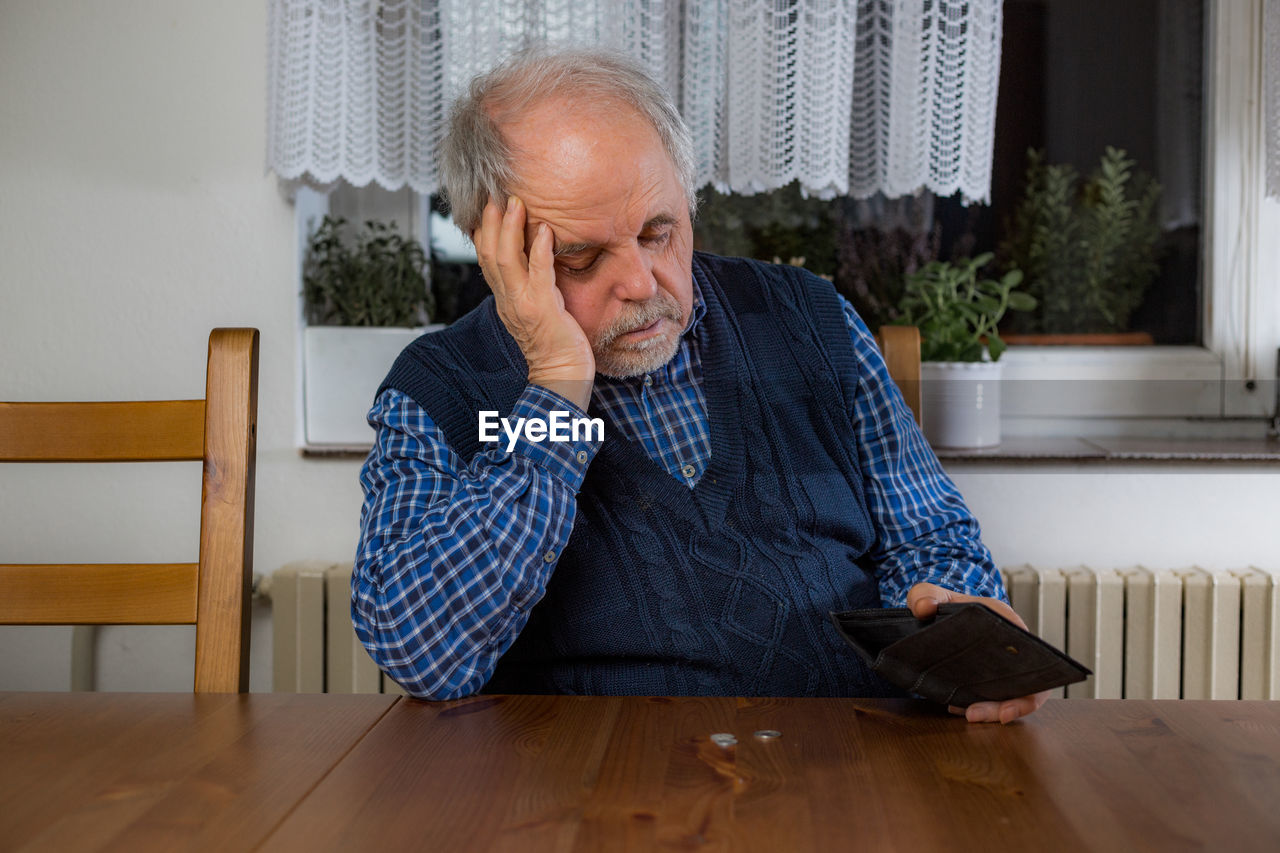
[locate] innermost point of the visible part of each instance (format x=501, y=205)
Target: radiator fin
x=1152, y=634
x=297, y=593
x=1259, y=635
x=1210, y=635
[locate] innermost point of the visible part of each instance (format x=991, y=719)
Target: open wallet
x=967, y=653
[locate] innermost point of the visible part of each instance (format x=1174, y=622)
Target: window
x=1214, y=325
x=1174, y=83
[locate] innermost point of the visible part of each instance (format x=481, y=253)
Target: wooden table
x=162, y=771
x=603, y=773
x=530, y=773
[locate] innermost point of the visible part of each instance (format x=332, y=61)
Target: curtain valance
x=846, y=96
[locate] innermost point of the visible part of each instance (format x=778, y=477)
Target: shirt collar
x=699, y=307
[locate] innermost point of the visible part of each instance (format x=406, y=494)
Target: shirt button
x=549, y=557
x=689, y=471
x=648, y=380
x=582, y=456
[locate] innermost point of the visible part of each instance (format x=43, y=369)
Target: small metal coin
x=723, y=739
x=768, y=734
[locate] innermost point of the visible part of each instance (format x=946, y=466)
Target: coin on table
x=723, y=739
x=768, y=734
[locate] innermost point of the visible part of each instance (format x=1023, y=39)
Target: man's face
x=600, y=178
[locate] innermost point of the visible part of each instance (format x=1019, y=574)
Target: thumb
x=923, y=599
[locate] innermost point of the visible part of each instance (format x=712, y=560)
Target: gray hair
x=475, y=159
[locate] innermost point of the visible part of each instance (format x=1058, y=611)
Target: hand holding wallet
x=966, y=653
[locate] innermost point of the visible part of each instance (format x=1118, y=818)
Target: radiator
x=1158, y=634
x=1146, y=634
x=314, y=647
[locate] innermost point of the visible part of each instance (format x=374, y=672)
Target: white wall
x=1174, y=515
x=135, y=215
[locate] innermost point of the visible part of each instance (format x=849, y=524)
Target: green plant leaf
x=376, y=278
x=1021, y=302
x=1087, y=249
x=987, y=304
x=996, y=346
x=953, y=308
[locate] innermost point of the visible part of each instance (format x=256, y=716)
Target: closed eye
x=579, y=266
x=656, y=241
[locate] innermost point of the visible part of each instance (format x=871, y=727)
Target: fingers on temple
x=540, y=259
x=510, y=255
x=486, y=236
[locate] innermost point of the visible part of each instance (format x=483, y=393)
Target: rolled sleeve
x=453, y=552
x=925, y=532
x=567, y=461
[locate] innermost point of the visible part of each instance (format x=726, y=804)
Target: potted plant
x=957, y=313
x=366, y=298
x=1088, y=251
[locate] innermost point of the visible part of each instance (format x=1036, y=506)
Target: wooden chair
x=900, y=346
x=213, y=594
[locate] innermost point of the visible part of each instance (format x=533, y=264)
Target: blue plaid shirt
x=454, y=552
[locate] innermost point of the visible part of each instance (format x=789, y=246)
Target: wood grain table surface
x=603, y=773
x=162, y=771
x=528, y=773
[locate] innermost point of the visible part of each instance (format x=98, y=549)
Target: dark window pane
x=1077, y=77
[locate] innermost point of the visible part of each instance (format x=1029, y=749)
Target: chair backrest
x=213, y=594
x=900, y=346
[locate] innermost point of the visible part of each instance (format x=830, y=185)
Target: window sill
x=335, y=452
x=1066, y=382
x=1030, y=449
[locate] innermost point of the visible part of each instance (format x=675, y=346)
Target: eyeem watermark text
x=558, y=426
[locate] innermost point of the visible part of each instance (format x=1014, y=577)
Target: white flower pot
x=342, y=369
x=961, y=401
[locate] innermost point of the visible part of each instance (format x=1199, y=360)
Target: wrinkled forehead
x=559, y=132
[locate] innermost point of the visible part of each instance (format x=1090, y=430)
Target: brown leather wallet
x=967, y=653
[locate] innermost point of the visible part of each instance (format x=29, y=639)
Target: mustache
x=641, y=316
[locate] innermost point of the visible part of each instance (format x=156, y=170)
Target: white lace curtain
x=846, y=96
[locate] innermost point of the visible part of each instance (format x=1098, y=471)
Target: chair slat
x=153, y=431
x=901, y=348
x=99, y=594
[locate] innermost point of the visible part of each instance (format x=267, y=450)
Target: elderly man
x=757, y=470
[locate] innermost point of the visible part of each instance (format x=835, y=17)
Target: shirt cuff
x=954, y=578
x=557, y=436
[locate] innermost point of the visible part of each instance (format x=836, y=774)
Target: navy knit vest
x=722, y=589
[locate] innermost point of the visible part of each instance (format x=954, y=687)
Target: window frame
x=1232, y=375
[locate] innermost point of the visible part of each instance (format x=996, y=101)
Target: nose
x=633, y=275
